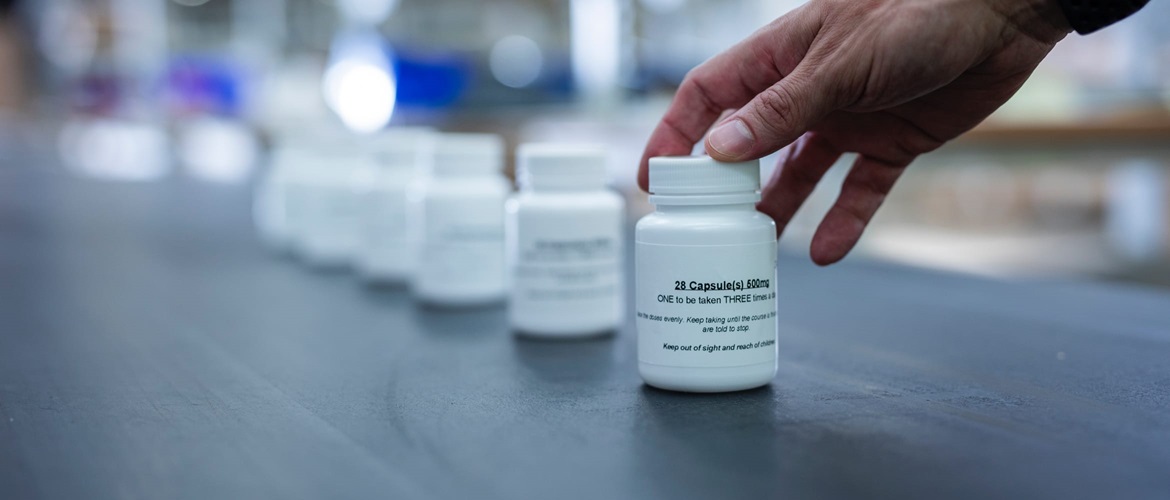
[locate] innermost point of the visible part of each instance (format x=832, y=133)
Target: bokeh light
x=516, y=61
x=362, y=94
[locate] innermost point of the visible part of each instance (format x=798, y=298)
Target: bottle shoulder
x=462, y=187
x=598, y=200
x=698, y=227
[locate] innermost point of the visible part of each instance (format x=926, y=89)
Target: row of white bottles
x=435, y=211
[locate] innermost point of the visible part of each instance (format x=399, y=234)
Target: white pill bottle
x=270, y=201
x=329, y=218
x=706, y=278
x=564, y=235
x=456, y=223
x=384, y=254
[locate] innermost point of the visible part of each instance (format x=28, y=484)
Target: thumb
x=771, y=120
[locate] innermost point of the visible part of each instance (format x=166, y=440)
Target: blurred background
x=1070, y=180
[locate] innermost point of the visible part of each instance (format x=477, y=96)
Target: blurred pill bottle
x=297, y=172
x=270, y=201
x=705, y=264
x=306, y=204
x=455, y=222
x=282, y=192
x=332, y=216
x=399, y=154
x=564, y=243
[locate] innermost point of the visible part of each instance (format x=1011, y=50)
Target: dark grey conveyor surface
x=150, y=348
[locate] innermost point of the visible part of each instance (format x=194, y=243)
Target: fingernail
x=732, y=139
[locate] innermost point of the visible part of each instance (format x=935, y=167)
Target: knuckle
x=904, y=148
x=778, y=110
x=911, y=144
x=925, y=143
x=692, y=88
x=860, y=216
x=694, y=73
x=688, y=85
x=671, y=124
x=865, y=191
x=872, y=189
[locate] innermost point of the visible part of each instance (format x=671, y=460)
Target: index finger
x=728, y=80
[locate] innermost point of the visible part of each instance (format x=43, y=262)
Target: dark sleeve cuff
x=1087, y=16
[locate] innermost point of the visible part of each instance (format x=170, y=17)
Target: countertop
x=150, y=347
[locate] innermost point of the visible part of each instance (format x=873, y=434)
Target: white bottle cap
x=560, y=166
x=699, y=175
x=403, y=147
x=467, y=154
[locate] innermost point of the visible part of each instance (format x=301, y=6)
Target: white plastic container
x=564, y=243
x=297, y=183
x=383, y=254
x=328, y=227
x=706, y=278
x=456, y=222
x=270, y=201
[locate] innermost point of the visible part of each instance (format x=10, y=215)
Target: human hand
x=887, y=79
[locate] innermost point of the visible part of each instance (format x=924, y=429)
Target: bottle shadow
x=563, y=360
x=708, y=445
x=473, y=323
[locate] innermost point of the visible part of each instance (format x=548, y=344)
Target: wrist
x=1042, y=20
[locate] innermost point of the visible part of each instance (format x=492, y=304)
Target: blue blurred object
x=431, y=80
x=205, y=85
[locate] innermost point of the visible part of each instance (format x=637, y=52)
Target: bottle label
x=565, y=262
x=551, y=271
x=462, y=246
x=706, y=306
x=331, y=218
x=384, y=217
